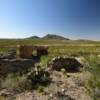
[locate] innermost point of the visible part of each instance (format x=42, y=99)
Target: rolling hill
x=49, y=36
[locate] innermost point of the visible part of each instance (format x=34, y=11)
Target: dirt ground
x=62, y=87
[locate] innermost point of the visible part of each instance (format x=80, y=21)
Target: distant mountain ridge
x=49, y=36
x=53, y=36
x=33, y=37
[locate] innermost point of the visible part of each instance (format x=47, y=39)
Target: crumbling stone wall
x=10, y=54
x=26, y=51
x=10, y=64
x=68, y=63
x=15, y=66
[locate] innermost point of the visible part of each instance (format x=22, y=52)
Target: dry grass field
x=90, y=77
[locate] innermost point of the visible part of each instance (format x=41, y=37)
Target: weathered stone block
x=42, y=50
x=26, y=51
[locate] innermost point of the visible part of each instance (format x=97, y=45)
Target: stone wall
x=10, y=54
x=25, y=51
x=68, y=63
x=15, y=66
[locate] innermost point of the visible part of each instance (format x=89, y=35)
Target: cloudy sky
x=75, y=19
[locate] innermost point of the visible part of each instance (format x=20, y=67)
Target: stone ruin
x=26, y=51
x=9, y=63
x=70, y=64
x=11, y=54
x=42, y=50
x=10, y=66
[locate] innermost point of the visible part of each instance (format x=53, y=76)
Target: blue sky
x=75, y=19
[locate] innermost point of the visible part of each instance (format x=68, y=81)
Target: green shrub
x=39, y=77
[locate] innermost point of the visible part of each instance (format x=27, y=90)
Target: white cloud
x=10, y=35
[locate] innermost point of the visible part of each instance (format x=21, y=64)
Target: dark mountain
x=53, y=36
x=33, y=37
x=49, y=36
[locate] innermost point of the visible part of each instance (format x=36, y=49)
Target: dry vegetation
x=89, y=79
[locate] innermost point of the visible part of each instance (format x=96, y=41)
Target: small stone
x=63, y=90
x=48, y=69
x=51, y=95
x=58, y=57
x=55, y=98
x=53, y=59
